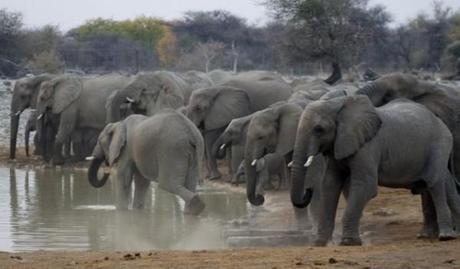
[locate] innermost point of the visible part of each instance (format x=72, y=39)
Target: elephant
x=197, y=79
x=269, y=166
x=24, y=96
x=212, y=109
x=233, y=137
x=443, y=101
x=83, y=142
x=165, y=148
x=79, y=102
x=399, y=145
x=270, y=131
x=31, y=126
x=219, y=76
x=152, y=91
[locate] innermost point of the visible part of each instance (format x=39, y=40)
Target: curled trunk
x=251, y=184
x=336, y=74
x=14, y=125
x=92, y=173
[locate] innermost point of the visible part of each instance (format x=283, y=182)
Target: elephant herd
x=315, y=138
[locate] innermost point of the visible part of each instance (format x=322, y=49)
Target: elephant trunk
x=219, y=147
x=114, y=107
x=92, y=173
x=251, y=177
x=27, y=136
x=300, y=197
x=336, y=74
x=14, y=125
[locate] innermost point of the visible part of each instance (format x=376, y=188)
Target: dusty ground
x=389, y=229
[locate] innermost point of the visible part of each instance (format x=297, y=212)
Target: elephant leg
x=331, y=187
x=173, y=178
x=141, y=188
x=124, y=183
x=453, y=200
x=430, y=225
x=209, y=139
x=66, y=127
x=363, y=187
x=444, y=218
x=37, y=148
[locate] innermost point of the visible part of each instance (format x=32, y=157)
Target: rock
x=332, y=261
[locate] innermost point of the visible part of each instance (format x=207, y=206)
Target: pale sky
x=71, y=13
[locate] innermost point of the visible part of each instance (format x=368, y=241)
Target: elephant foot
x=427, y=233
x=214, y=176
x=320, y=242
x=195, y=206
x=446, y=236
x=351, y=241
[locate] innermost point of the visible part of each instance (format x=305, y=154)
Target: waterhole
x=50, y=209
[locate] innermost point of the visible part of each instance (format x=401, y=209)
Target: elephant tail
x=92, y=173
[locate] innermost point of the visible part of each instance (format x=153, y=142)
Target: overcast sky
x=70, y=13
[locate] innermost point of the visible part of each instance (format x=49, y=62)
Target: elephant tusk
x=309, y=161
x=90, y=158
x=222, y=147
x=254, y=162
x=40, y=116
x=130, y=100
x=18, y=113
x=291, y=164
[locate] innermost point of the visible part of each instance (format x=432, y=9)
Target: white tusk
x=18, y=113
x=90, y=158
x=309, y=161
x=290, y=164
x=130, y=100
x=222, y=147
x=40, y=116
x=254, y=162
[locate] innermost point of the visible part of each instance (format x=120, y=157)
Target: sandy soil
x=389, y=228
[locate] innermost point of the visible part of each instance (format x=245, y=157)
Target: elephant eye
x=260, y=138
x=318, y=130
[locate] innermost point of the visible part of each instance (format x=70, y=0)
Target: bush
x=47, y=61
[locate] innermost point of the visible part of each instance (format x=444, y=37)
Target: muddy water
x=58, y=210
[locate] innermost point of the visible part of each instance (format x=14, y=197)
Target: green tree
x=334, y=30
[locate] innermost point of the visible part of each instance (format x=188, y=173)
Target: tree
x=335, y=30
x=10, y=27
x=209, y=51
x=166, y=47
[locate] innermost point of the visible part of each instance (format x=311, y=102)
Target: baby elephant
x=165, y=148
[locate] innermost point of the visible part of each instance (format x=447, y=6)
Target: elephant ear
x=288, y=119
x=117, y=142
x=230, y=103
x=357, y=123
x=67, y=90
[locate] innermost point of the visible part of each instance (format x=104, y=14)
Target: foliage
x=10, y=26
x=166, y=47
x=46, y=61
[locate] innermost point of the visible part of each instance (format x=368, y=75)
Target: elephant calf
x=165, y=148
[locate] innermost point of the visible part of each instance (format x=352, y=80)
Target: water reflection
x=58, y=210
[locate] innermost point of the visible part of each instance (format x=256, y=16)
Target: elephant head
x=58, y=94
x=335, y=128
x=108, y=149
x=269, y=131
x=234, y=134
x=442, y=101
x=148, y=92
x=214, y=108
x=24, y=96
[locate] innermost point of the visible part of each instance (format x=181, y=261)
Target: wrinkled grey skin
x=197, y=79
x=149, y=93
x=79, y=103
x=212, y=109
x=233, y=138
x=220, y=77
x=165, y=148
x=443, y=101
x=400, y=145
x=83, y=142
x=25, y=94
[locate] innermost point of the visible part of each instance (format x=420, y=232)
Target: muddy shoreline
x=389, y=227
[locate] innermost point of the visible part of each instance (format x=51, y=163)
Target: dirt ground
x=389, y=227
